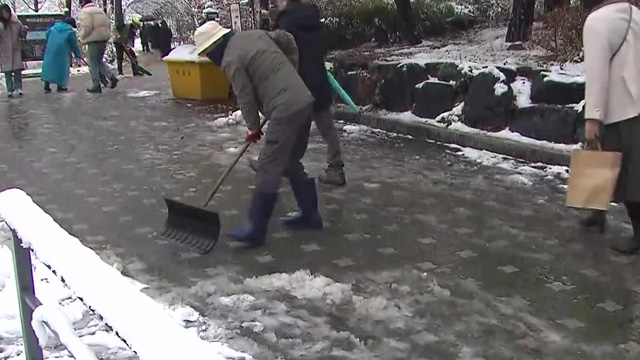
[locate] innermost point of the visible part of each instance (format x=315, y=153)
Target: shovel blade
x=192, y=226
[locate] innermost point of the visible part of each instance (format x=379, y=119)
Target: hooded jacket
x=303, y=22
x=94, y=25
x=61, y=43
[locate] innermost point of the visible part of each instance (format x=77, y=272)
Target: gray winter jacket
x=262, y=77
x=10, y=45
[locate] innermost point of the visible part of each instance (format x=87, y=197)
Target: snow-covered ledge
x=146, y=326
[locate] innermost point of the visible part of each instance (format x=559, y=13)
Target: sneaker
x=333, y=176
x=95, y=90
x=20, y=93
x=10, y=94
x=114, y=82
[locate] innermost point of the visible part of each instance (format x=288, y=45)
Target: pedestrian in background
x=12, y=31
x=123, y=47
x=144, y=37
x=611, y=61
x=264, y=79
x=165, y=38
x=95, y=31
x=61, y=43
x=303, y=22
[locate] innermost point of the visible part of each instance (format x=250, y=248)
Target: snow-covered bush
x=437, y=17
x=491, y=11
x=560, y=33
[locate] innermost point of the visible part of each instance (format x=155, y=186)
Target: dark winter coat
x=303, y=22
x=262, y=77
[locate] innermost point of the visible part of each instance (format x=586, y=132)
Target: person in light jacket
x=61, y=43
x=12, y=31
x=612, y=66
x=95, y=31
x=265, y=79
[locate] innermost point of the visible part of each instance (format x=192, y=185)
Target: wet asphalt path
x=426, y=255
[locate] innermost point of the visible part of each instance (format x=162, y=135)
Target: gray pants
x=13, y=80
x=327, y=129
x=285, y=144
x=96, y=63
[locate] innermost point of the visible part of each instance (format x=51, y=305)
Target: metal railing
x=27, y=300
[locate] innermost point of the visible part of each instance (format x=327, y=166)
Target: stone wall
x=430, y=90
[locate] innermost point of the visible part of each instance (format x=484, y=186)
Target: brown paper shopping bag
x=592, y=179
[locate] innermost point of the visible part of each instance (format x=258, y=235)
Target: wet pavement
x=425, y=255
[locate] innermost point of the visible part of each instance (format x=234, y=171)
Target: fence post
x=24, y=285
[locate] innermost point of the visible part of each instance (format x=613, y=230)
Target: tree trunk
x=407, y=22
x=521, y=20
x=68, y=6
x=36, y=6
x=550, y=5
x=118, y=12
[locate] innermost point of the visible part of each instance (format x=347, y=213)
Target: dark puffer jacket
x=303, y=22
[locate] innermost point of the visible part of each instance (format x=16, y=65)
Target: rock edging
x=512, y=148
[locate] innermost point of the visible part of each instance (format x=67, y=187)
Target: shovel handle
x=230, y=167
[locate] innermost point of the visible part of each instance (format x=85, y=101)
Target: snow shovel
x=103, y=79
x=197, y=227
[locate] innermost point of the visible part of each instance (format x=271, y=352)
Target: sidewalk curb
x=515, y=149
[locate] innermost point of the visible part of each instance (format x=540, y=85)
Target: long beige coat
x=10, y=45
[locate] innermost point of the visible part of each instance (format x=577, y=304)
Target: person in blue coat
x=61, y=43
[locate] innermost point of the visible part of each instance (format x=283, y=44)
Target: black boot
x=597, y=220
x=114, y=82
x=47, y=87
x=307, y=216
x=632, y=245
x=95, y=90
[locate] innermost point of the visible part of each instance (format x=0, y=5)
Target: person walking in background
x=264, y=79
x=611, y=51
x=144, y=38
x=95, y=31
x=123, y=47
x=303, y=22
x=11, y=64
x=61, y=43
x=165, y=38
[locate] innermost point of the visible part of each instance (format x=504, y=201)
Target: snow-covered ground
x=142, y=322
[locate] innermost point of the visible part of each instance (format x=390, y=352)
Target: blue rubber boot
x=307, y=216
x=253, y=233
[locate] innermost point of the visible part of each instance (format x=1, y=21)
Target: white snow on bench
x=150, y=330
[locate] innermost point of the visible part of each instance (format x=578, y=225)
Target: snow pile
x=523, y=169
x=47, y=317
x=61, y=310
x=185, y=53
x=139, y=94
x=231, y=120
x=303, y=285
x=522, y=91
x=148, y=328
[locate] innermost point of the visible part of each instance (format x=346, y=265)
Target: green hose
x=343, y=94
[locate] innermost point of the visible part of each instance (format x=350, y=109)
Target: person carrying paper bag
x=611, y=52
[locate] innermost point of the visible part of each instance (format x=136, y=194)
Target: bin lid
x=185, y=53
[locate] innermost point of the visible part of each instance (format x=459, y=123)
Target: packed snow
x=141, y=321
x=522, y=91
x=139, y=94
x=185, y=53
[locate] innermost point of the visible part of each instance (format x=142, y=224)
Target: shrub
x=560, y=33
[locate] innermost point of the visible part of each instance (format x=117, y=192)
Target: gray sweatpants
x=327, y=129
x=96, y=62
x=285, y=144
